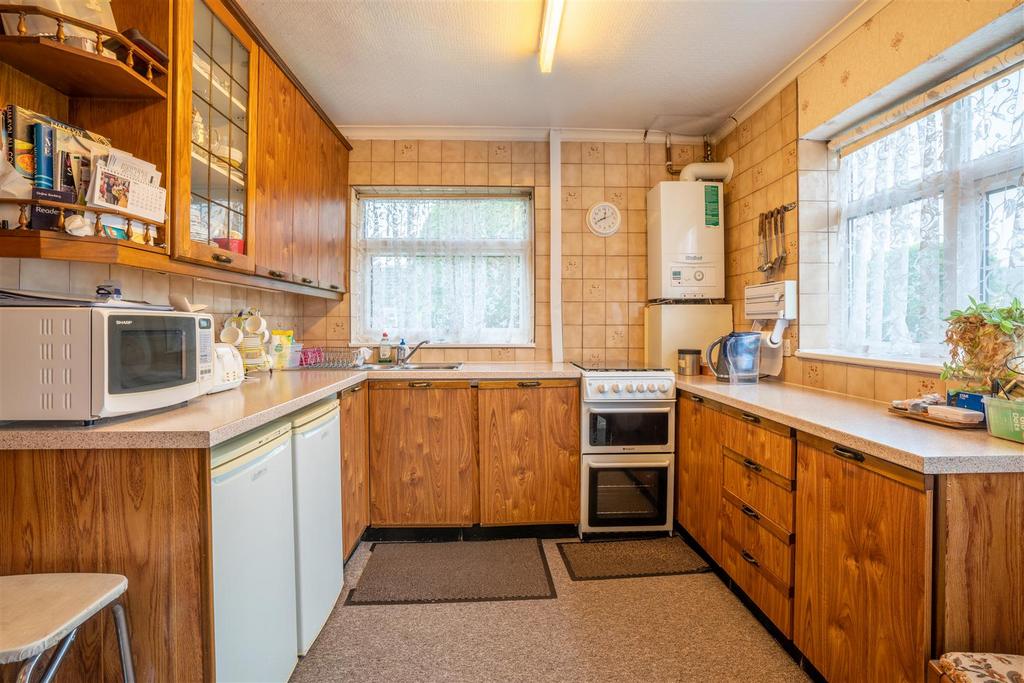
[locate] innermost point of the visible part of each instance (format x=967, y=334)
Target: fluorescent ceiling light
x=549, y=33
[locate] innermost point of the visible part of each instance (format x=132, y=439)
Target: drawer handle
x=356, y=389
x=750, y=512
x=529, y=384
x=221, y=258
x=306, y=281
x=848, y=454
x=751, y=465
x=748, y=557
x=750, y=418
x=276, y=273
x=696, y=399
x=420, y=385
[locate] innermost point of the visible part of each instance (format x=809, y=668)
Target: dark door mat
x=630, y=559
x=465, y=571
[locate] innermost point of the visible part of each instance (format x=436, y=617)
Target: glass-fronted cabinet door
x=213, y=141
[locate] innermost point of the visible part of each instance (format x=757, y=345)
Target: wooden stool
x=39, y=611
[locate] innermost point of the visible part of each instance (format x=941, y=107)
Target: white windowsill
x=875, y=362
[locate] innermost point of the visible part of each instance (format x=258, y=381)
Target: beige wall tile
x=382, y=172
x=476, y=173
x=405, y=173
x=429, y=173
x=453, y=173
x=428, y=150
x=572, y=153
x=499, y=153
x=360, y=151
x=593, y=174
x=83, y=277
x=499, y=174
x=860, y=381
x=453, y=151
x=592, y=152
x=522, y=152
x=522, y=174
x=890, y=385
x=572, y=175
x=406, y=150
x=382, y=150
x=46, y=276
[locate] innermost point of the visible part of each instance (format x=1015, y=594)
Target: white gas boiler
x=685, y=240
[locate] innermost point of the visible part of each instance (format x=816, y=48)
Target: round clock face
x=603, y=219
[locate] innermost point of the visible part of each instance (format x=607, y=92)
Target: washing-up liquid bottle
x=402, y=352
x=384, y=349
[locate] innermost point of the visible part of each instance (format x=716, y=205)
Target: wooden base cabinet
x=529, y=452
x=699, y=472
x=862, y=606
x=355, y=466
x=423, y=454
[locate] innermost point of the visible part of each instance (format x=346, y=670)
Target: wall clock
x=604, y=219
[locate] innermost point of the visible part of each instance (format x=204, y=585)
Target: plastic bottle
x=402, y=352
x=384, y=350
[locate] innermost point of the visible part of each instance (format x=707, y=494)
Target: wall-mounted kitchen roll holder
x=771, y=240
x=763, y=303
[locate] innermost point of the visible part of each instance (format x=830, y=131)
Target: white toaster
x=228, y=369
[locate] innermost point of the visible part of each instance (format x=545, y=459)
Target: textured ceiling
x=684, y=65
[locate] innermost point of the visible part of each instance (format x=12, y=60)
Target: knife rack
x=771, y=240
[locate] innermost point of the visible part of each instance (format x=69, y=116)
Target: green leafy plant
x=981, y=339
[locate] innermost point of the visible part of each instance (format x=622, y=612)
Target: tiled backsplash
x=604, y=281
x=314, y=320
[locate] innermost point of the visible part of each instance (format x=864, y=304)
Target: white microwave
x=84, y=363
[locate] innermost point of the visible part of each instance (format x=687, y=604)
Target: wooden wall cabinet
x=355, y=466
x=862, y=605
x=332, y=223
x=216, y=77
x=423, y=454
x=699, y=472
x=529, y=452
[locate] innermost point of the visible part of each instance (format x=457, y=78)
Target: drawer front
x=746, y=529
x=769, y=444
x=761, y=586
x=770, y=495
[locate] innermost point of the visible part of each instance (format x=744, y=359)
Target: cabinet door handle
x=529, y=384
x=750, y=418
x=750, y=512
x=420, y=385
x=356, y=389
x=276, y=273
x=335, y=287
x=306, y=281
x=848, y=454
x=221, y=258
x=696, y=399
x=748, y=557
x=751, y=465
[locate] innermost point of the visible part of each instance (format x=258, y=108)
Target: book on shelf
x=19, y=129
x=42, y=153
x=45, y=217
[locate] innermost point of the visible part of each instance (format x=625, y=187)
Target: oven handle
x=620, y=465
x=653, y=409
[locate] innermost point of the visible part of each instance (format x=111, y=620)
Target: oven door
x=635, y=427
x=627, y=493
x=147, y=361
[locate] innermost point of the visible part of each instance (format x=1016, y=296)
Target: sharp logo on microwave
x=123, y=322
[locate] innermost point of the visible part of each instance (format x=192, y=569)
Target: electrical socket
x=787, y=347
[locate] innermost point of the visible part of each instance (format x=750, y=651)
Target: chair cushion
x=971, y=667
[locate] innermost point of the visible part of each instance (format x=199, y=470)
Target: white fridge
x=673, y=326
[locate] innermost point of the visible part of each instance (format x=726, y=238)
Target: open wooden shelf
x=140, y=225
x=75, y=72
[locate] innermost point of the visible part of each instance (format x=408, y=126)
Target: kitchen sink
x=411, y=366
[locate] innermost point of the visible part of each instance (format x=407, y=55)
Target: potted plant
x=981, y=339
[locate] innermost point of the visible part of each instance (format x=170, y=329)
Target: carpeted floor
x=664, y=628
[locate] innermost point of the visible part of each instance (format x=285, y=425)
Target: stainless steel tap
x=402, y=357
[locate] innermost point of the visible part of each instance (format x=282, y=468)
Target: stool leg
x=58, y=657
x=25, y=672
x=124, y=644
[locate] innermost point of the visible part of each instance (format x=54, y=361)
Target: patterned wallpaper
x=902, y=36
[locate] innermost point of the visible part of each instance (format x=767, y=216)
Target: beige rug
x=629, y=559
x=463, y=571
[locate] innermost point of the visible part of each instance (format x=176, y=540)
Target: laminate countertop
x=866, y=426
x=210, y=420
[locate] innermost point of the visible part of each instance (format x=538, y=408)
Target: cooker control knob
x=615, y=388
x=663, y=387
x=601, y=389
x=651, y=388
x=629, y=388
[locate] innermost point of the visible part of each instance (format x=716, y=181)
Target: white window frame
x=992, y=174
x=363, y=250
